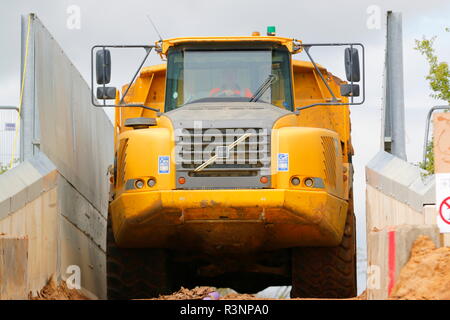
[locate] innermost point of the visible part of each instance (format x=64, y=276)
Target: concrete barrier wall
x=58, y=197
x=76, y=136
x=399, y=208
x=28, y=205
x=41, y=210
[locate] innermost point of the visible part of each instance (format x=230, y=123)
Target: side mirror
x=103, y=66
x=106, y=93
x=349, y=90
x=352, y=65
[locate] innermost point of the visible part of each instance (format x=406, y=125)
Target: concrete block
x=42, y=164
x=430, y=214
x=13, y=268
x=80, y=212
x=32, y=179
x=19, y=199
x=25, y=183
x=445, y=239
x=400, y=180
x=78, y=251
x=388, y=251
x=13, y=188
x=5, y=207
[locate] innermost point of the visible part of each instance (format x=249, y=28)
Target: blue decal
x=283, y=162
x=164, y=164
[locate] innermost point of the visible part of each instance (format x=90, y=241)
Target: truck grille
x=330, y=151
x=247, y=158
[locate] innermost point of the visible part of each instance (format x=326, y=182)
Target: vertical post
x=28, y=117
x=393, y=103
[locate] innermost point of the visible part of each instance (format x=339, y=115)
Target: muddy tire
x=327, y=272
x=135, y=273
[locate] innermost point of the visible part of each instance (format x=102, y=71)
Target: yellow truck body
x=236, y=221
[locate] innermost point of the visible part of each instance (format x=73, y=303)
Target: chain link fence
x=8, y=127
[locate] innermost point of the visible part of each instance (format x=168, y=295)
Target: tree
x=3, y=168
x=439, y=81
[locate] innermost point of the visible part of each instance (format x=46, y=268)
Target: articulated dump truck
x=232, y=168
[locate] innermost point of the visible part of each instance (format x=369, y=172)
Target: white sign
x=10, y=126
x=164, y=164
x=443, y=201
x=283, y=162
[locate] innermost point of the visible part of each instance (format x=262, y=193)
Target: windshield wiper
x=263, y=88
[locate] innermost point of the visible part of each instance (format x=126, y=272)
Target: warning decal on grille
x=283, y=162
x=164, y=164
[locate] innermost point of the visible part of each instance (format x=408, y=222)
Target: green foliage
x=439, y=72
x=439, y=80
x=3, y=168
x=428, y=165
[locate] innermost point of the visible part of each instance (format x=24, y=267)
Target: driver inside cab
x=230, y=87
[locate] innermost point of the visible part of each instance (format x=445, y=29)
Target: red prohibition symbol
x=446, y=203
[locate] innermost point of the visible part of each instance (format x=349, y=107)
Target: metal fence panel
x=8, y=126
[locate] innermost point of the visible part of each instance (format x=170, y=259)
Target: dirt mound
x=53, y=291
x=426, y=276
x=197, y=293
x=210, y=293
x=206, y=293
x=239, y=296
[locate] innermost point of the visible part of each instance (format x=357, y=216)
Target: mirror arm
x=320, y=73
x=298, y=109
x=142, y=106
x=148, y=49
x=136, y=74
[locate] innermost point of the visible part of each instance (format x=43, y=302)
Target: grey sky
x=124, y=22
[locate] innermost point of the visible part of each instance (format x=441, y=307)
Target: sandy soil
x=205, y=293
x=197, y=293
x=209, y=293
x=53, y=291
x=426, y=275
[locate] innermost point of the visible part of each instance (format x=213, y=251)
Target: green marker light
x=271, y=31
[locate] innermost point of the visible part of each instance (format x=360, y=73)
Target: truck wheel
x=135, y=273
x=326, y=272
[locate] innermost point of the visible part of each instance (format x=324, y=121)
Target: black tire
x=135, y=273
x=327, y=272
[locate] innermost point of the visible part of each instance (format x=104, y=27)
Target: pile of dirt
x=210, y=293
x=241, y=296
x=426, y=276
x=362, y=296
x=206, y=293
x=53, y=291
x=197, y=293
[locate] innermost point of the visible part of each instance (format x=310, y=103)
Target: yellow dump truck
x=232, y=169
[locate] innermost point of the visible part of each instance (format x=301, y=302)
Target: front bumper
x=216, y=221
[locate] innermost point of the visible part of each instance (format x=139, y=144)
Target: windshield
x=228, y=75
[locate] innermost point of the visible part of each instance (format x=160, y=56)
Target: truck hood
x=226, y=115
